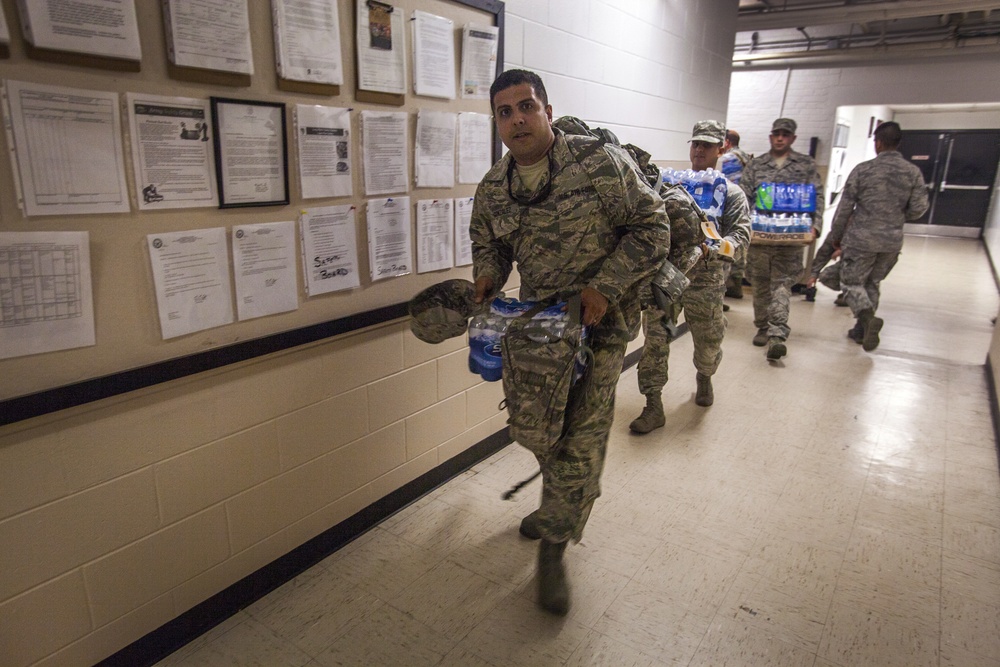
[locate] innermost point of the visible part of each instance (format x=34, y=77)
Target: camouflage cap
x=786, y=124
x=443, y=310
x=710, y=131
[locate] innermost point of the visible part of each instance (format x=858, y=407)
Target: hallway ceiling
x=790, y=33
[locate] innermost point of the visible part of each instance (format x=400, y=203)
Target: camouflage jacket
x=882, y=194
x=735, y=223
x=574, y=238
x=798, y=168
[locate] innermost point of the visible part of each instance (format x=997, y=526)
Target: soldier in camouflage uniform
x=738, y=157
x=539, y=207
x=880, y=196
x=774, y=269
x=702, y=300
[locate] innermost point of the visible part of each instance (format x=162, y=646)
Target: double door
x=959, y=168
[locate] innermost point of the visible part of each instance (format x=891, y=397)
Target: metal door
x=959, y=167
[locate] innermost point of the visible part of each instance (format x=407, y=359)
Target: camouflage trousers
x=738, y=269
x=860, y=276
x=702, y=306
x=773, y=270
x=571, y=478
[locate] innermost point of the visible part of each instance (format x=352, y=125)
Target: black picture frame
x=230, y=196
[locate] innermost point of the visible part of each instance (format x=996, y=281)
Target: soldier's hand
x=594, y=305
x=484, y=287
x=836, y=253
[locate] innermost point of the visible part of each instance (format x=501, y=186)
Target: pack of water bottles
x=732, y=168
x=781, y=228
x=707, y=187
x=786, y=197
x=548, y=325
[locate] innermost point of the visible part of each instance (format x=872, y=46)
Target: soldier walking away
x=880, y=196
x=540, y=207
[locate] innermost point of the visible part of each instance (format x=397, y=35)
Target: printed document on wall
x=191, y=276
x=389, y=252
x=433, y=55
x=479, y=60
x=264, y=263
x=106, y=28
x=475, y=154
x=209, y=34
x=324, y=140
x=435, y=151
x=384, y=144
x=67, y=149
x=307, y=41
x=435, y=225
x=172, y=151
x=329, y=249
x=463, y=244
x=381, y=48
x=46, y=299
x=4, y=28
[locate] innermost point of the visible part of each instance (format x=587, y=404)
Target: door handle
x=945, y=186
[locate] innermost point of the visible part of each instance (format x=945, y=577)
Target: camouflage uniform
x=880, y=196
x=774, y=269
x=739, y=266
x=702, y=300
x=564, y=243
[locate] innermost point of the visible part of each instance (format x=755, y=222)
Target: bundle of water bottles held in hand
x=550, y=325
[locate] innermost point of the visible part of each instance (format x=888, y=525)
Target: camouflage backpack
x=668, y=284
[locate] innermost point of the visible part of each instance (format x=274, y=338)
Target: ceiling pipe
x=871, y=54
x=843, y=13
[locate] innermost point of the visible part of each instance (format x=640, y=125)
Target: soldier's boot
x=872, y=326
x=857, y=334
x=553, y=589
x=775, y=348
x=652, y=416
x=760, y=339
x=841, y=300
x=705, y=397
x=734, y=290
x=529, y=526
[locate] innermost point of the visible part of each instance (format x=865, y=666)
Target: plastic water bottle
x=807, y=222
x=808, y=198
x=485, y=331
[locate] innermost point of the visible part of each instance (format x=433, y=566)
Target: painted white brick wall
x=647, y=69
x=811, y=96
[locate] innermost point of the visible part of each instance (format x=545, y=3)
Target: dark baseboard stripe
x=994, y=407
x=192, y=624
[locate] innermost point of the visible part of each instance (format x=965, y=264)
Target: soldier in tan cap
x=774, y=269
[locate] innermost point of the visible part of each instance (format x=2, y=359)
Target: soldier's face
x=781, y=141
x=524, y=123
x=704, y=155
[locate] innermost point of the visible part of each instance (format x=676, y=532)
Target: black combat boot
x=705, y=396
x=652, y=416
x=857, y=334
x=553, y=589
x=529, y=526
x=872, y=326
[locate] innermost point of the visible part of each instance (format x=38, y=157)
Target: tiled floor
x=836, y=508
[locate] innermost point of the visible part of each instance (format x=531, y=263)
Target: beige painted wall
x=117, y=516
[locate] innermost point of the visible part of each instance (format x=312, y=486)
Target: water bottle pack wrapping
x=783, y=214
x=542, y=354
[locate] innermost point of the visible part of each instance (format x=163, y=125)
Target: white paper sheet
x=463, y=244
x=435, y=152
x=98, y=27
x=172, y=151
x=475, y=146
x=307, y=41
x=46, y=299
x=435, y=226
x=384, y=146
x=329, y=248
x=433, y=55
x=381, y=48
x=209, y=34
x=264, y=264
x=479, y=60
x=191, y=276
x=67, y=149
x=389, y=253
x=252, y=153
x=324, y=141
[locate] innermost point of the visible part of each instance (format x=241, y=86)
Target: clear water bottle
x=485, y=331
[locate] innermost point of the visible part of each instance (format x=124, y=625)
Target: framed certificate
x=251, y=152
